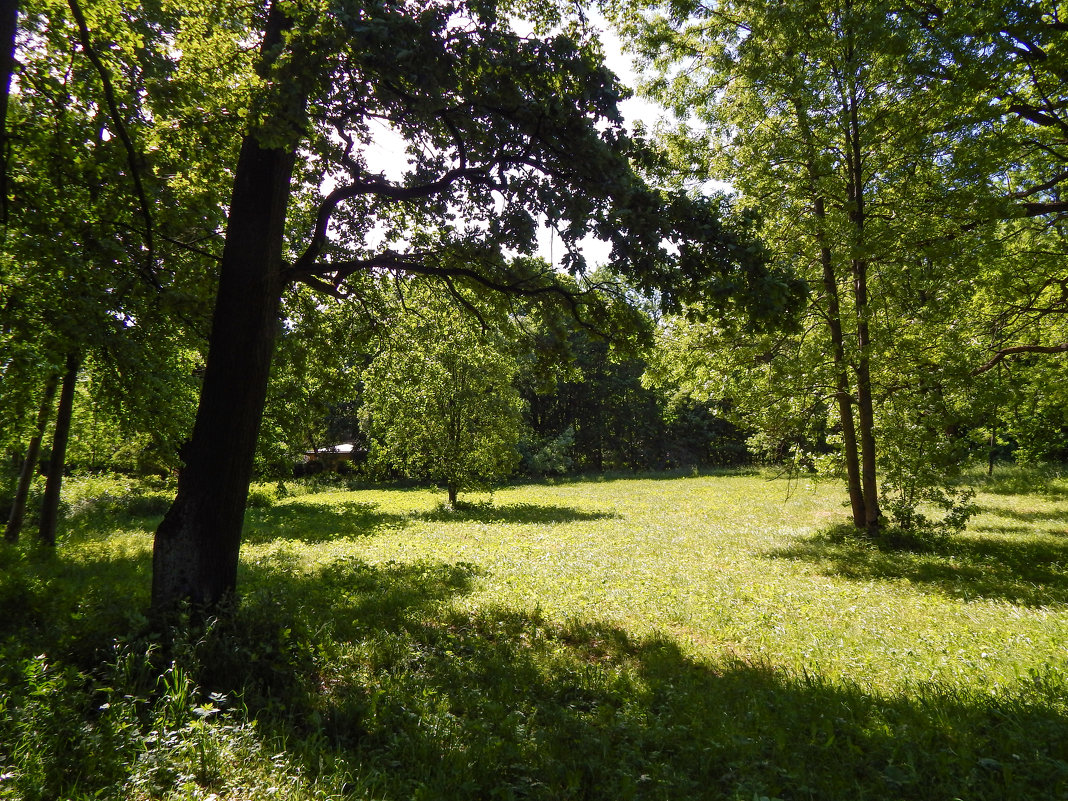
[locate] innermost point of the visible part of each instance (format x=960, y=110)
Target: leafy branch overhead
x=502, y=132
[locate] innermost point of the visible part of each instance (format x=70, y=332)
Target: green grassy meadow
x=658, y=637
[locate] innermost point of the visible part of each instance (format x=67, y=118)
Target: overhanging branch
x=381, y=188
x=1017, y=349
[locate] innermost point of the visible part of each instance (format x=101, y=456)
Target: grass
x=691, y=637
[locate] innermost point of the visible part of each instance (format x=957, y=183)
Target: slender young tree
x=29, y=462
x=440, y=401
x=58, y=460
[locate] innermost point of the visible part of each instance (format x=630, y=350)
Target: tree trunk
x=29, y=467
x=58, y=462
x=865, y=404
x=452, y=495
x=843, y=395
x=196, y=547
x=9, y=18
x=841, y=377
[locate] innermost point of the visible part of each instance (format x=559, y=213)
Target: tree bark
x=58, y=462
x=857, y=499
x=29, y=467
x=196, y=547
x=865, y=404
x=843, y=395
x=195, y=553
x=9, y=17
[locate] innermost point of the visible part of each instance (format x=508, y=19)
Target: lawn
x=674, y=637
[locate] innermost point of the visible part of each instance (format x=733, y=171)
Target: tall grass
x=701, y=637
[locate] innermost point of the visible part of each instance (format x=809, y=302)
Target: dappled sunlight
x=500, y=699
x=1030, y=515
x=687, y=638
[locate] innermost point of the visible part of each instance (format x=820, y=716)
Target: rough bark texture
x=29, y=467
x=58, y=462
x=196, y=547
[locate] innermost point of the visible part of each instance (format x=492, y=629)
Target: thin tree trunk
x=843, y=395
x=196, y=548
x=9, y=16
x=865, y=404
x=29, y=467
x=857, y=496
x=58, y=462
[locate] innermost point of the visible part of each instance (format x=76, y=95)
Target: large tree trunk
x=58, y=462
x=29, y=467
x=196, y=548
x=197, y=544
x=9, y=16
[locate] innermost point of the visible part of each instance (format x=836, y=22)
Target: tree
x=95, y=156
x=315, y=387
x=499, y=128
x=844, y=127
x=440, y=403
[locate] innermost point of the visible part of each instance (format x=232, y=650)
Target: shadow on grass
x=1024, y=480
x=316, y=522
x=667, y=474
x=418, y=701
x=370, y=683
x=513, y=514
x=1029, y=573
x=311, y=522
x=1026, y=516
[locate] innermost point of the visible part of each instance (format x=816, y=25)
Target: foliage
x=873, y=156
x=439, y=398
x=315, y=388
x=550, y=456
x=97, y=156
x=592, y=407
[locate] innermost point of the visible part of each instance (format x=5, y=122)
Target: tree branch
x=381, y=188
x=1016, y=349
x=124, y=136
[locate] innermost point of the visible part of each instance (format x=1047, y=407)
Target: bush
x=550, y=456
